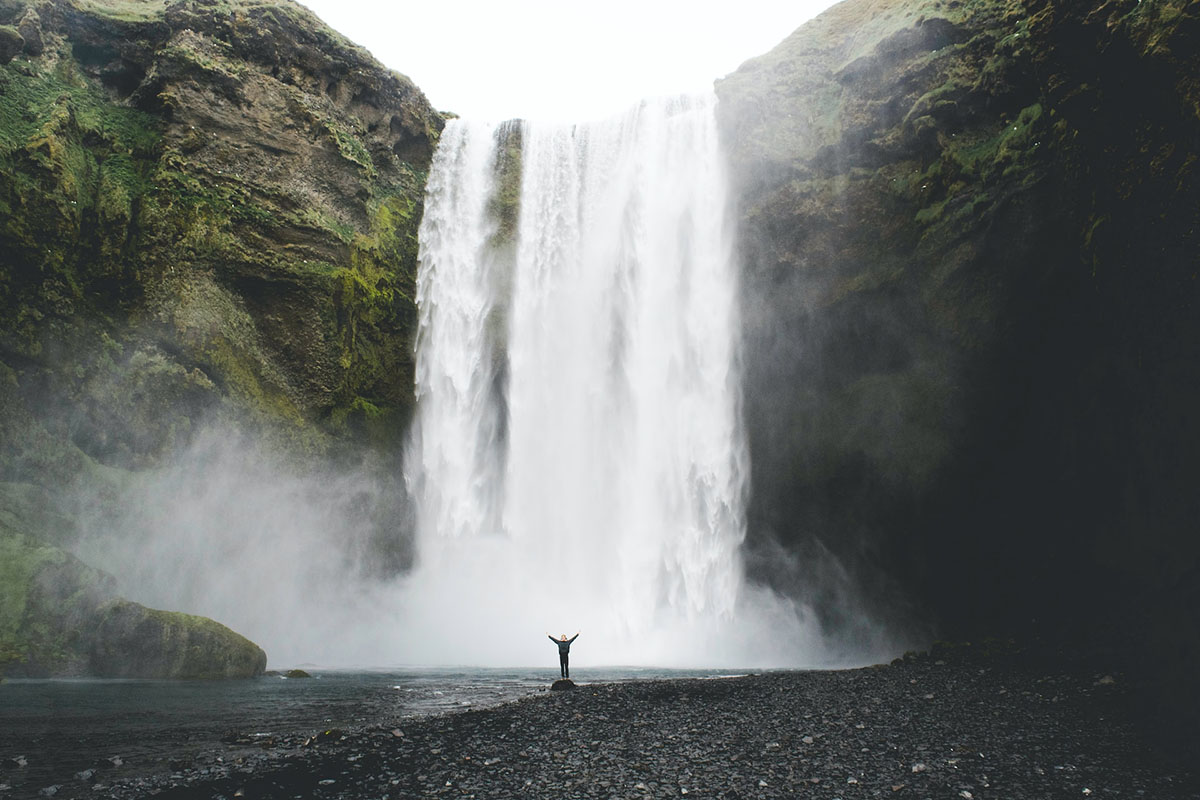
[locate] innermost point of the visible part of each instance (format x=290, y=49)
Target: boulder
x=11, y=43
x=132, y=641
x=61, y=618
x=30, y=28
x=563, y=684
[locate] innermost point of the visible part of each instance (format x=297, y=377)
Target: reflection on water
x=64, y=727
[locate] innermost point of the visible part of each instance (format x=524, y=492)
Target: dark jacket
x=564, y=647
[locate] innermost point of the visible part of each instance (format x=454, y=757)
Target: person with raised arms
x=564, y=651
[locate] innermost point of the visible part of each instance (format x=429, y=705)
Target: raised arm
x=573, y=638
x=551, y=638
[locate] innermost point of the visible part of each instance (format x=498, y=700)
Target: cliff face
x=208, y=213
x=971, y=298
x=215, y=204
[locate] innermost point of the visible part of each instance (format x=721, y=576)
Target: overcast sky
x=562, y=59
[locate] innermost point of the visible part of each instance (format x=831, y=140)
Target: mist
x=578, y=460
x=308, y=562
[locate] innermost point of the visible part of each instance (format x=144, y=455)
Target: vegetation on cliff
x=971, y=291
x=216, y=202
x=208, y=214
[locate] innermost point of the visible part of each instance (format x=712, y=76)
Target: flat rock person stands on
x=564, y=652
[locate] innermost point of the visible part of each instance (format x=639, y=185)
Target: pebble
x=776, y=735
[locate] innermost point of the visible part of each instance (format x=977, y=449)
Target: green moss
x=123, y=10
x=11, y=42
x=505, y=203
x=112, y=216
x=135, y=641
x=35, y=97
x=868, y=281
x=60, y=617
x=1003, y=151
x=45, y=596
x=20, y=560
x=962, y=183
x=375, y=299
x=72, y=167
x=351, y=147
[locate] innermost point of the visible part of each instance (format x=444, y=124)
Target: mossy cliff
x=212, y=204
x=208, y=215
x=971, y=295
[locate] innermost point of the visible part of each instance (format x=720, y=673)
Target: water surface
x=64, y=727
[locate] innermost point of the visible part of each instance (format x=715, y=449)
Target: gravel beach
x=949, y=725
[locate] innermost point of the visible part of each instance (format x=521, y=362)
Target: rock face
x=208, y=213
x=206, y=208
x=971, y=296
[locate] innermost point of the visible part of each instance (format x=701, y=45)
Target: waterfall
x=577, y=458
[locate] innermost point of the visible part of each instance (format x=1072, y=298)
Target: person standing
x=564, y=651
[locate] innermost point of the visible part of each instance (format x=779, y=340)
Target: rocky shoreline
x=957, y=724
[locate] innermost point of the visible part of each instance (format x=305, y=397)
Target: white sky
x=562, y=59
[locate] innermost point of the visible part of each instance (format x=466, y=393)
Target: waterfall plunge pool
x=64, y=727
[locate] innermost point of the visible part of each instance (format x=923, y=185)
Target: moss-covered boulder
x=132, y=641
x=59, y=617
x=46, y=600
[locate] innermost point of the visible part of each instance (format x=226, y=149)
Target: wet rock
x=562, y=684
x=735, y=738
x=296, y=673
x=132, y=641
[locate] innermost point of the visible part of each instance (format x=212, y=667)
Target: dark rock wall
x=971, y=293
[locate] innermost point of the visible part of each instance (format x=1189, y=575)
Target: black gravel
x=954, y=726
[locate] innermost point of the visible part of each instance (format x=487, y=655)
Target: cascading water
x=583, y=466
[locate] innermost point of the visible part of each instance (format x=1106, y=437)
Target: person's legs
x=566, y=666
x=562, y=664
